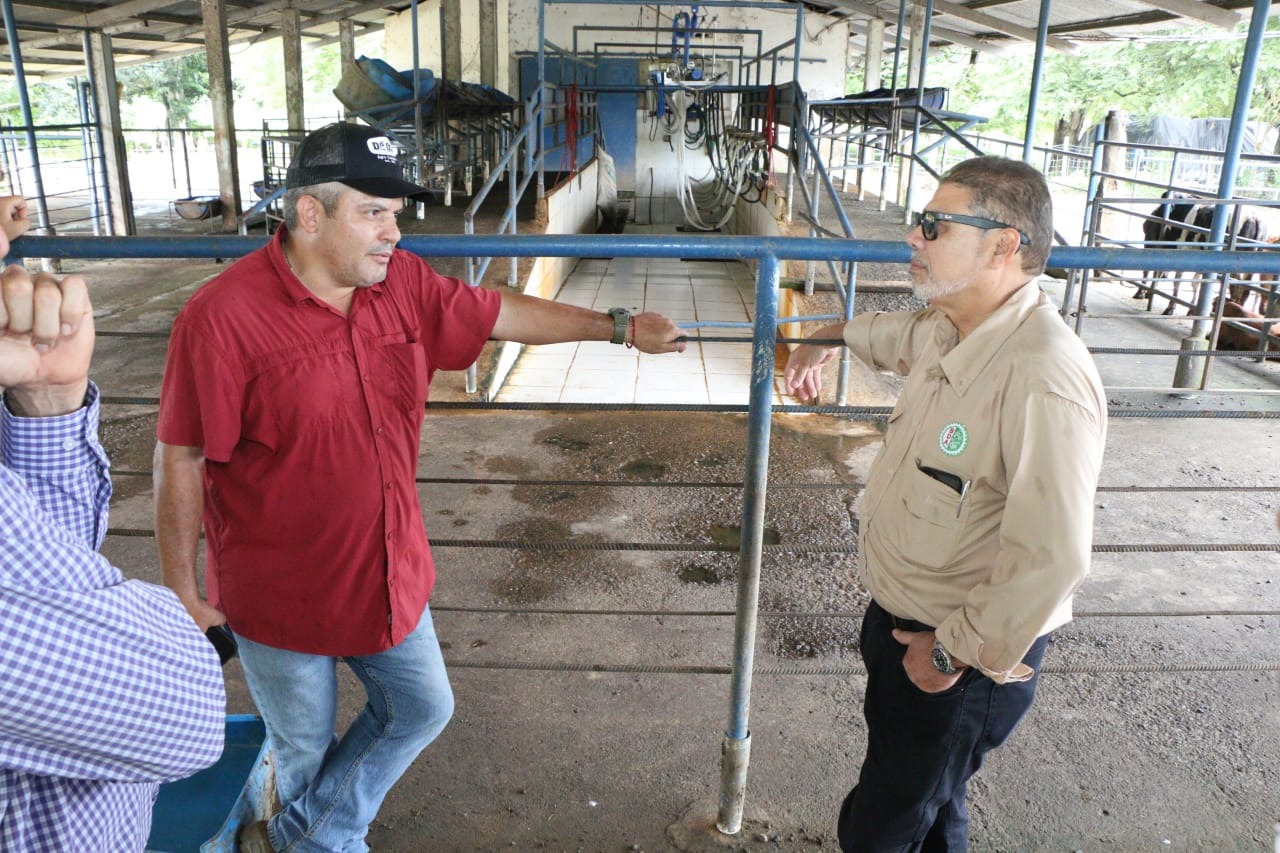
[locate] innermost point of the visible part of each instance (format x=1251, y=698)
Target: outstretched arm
x=531, y=320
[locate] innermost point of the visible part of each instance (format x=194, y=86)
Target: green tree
x=177, y=83
x=51, y=103
x=1177, y=74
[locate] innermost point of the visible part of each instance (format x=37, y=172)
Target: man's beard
x=932, y=288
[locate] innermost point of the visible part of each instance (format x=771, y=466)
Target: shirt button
x=388, y=487
x=379, y=430
x=366, y=377
x=68, y=444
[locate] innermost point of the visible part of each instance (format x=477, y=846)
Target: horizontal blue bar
x=643, y=246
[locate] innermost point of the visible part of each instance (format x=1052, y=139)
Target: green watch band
x=621, y=319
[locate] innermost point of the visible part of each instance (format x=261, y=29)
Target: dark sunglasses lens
x=928, y=226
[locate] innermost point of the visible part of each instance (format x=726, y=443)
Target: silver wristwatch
x=621, y=319
x=942, y=659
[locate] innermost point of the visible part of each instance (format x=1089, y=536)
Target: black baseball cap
x=357, y=155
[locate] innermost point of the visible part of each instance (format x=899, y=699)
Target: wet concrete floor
x=601, y=730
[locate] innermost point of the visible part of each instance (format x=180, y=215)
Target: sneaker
x=253, y=838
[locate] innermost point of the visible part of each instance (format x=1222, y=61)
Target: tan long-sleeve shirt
x=1011, y=421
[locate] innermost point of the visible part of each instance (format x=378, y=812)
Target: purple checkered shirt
x=107, y=687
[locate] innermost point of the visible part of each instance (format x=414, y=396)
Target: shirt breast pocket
x=407, y=378
x=932, y=520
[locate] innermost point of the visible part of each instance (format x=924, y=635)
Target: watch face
x=942, y=661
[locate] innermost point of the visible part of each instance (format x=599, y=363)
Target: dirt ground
x=1155, y=728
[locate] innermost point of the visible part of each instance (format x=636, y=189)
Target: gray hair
x=1010, y=191
x=327, y=194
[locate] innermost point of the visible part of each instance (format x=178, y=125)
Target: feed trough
x=198, y=207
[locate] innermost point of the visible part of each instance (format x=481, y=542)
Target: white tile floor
x=598, y=372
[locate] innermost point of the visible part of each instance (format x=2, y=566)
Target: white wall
x=571, y=209
x=398, y=41
x=655, y=162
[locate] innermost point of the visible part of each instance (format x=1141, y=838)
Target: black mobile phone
x=224, y=641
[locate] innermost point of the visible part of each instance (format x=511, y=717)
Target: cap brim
x=388, y=188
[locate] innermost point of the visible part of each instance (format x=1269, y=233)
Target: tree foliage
x=178, y=83
x=51, y=103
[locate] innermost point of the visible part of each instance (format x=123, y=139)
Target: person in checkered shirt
x=107, y=687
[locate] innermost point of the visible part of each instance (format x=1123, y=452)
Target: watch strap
x=621, y=319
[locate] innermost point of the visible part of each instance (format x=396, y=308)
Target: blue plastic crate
x=205, y=811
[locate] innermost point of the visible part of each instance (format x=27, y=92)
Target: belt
x=910, y=625
x=905, y=624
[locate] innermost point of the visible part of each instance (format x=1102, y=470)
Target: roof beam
x=1197, y=11
x=943, y=34
x=998, y=25
x=117, y=12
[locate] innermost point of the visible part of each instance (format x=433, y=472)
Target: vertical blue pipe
x=736, y=747
x=542, y=97
x=419, y=153
x=1090, y=201
x=20, y=79
x=1037, y=70
x=795, y=62
x=1226, y=186
x=897, y=48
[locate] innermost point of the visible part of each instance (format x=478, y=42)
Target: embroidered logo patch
x=953, y=439
x=382, y=148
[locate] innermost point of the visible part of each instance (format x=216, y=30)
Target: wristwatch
x=942, y=659
x=621, y=319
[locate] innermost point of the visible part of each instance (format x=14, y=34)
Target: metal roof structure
x=992, y=24
x=50, y=31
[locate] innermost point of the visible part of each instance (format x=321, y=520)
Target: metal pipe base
x=735, y=756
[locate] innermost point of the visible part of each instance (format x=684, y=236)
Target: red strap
x=571, y=125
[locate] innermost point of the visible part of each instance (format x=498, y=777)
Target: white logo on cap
x=383, y=148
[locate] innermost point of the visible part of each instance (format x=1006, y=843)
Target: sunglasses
x=927, y=221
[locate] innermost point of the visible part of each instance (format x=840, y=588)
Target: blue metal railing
x=768, y=252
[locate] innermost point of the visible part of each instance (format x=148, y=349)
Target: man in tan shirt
x=977, y=520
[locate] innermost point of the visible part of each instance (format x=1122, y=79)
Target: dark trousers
x=923, y=747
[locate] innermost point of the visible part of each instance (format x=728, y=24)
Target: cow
x=1163, y=228
x=1235, y=338
x=1251, y=230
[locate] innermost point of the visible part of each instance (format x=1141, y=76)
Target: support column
x=872, y=62
x=347, y=51
x=489, y=43
x=915, y=56
x=451, y=38
x=291, y=39
x=875, y=55
x=107, y=104
x=214, y=14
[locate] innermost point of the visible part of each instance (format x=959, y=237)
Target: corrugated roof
x=50, y=31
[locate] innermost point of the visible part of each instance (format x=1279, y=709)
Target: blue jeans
x=331, y=788
x=923, y=747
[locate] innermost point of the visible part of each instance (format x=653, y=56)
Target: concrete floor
x=587, y=731
x=717, y=297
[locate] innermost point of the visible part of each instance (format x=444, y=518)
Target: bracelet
x=632, y=326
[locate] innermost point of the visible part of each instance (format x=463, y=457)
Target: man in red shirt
x=290, y=413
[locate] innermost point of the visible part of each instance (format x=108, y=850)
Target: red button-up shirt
x=309, y=422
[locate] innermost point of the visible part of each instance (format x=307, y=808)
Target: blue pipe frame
x=1227, y=180
x=731, y=248
x=767, y=252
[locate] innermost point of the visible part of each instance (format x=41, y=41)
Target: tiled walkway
x=600, y=372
